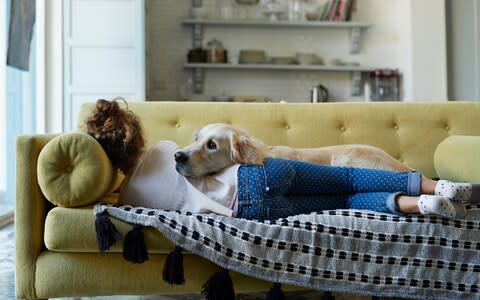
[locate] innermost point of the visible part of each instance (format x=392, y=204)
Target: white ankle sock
x=456, y=191
x=440, y=205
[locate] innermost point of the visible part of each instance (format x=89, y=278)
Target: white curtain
x=18, y=96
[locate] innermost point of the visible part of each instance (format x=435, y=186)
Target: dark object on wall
x=197, y=55
x=384, y=84
x=318, y=93
x=22, y=18
x=248, y=2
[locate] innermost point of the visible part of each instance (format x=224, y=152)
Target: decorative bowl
x=306, y=58
x=283, y=60
x=249, y=56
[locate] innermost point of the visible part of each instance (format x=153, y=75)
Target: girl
x=276, y=189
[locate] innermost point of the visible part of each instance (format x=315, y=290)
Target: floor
x=7, y=280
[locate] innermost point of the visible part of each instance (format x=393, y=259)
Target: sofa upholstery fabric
x=71, y=230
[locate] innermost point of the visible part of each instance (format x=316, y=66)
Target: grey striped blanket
x=359, y=252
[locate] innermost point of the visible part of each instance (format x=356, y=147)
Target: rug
x=7, y=278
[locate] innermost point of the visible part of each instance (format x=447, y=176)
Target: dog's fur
x=219, y=145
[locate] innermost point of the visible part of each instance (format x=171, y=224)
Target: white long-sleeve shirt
x=155, y=183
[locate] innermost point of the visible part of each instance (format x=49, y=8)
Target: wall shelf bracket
x=355, y=38
x=198, y=78
x=197, y=36
x=357, y=83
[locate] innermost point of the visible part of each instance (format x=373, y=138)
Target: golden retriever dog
x=219, y=145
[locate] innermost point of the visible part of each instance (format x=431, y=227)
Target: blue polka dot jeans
x=282, y=188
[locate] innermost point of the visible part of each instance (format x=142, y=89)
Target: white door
x=104, y=53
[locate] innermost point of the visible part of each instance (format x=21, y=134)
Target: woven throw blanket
x=359, y=252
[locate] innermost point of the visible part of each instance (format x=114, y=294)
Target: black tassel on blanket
x=134, y=249
x=173, y=267
x=327, y=296
x=219, y=286
x=275, y=292
x=106, y=232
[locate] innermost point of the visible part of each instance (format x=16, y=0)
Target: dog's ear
x=246, y=150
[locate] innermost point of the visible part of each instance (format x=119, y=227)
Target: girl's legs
x=430, y=204
x=399, y=204
x=385, y=202
x=301, y=178
x=314, y=179
x=377, y=190
x=408, y=204
x=427, y=186
x=328, y=187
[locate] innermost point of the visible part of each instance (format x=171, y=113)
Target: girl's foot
x=456, y=191
x=441, y=206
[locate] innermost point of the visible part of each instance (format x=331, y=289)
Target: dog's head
x=215, y=147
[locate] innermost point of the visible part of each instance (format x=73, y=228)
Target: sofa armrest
x=30, y=212
x=457, y=158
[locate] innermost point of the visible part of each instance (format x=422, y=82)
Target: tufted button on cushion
x=74, y=170
x=177, y=125
x=286, y=126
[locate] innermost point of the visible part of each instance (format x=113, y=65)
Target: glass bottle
x=215, y=52
x=224, y=9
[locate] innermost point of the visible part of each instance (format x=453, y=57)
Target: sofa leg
x=375, y=298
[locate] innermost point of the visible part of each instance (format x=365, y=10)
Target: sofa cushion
x=74, y=170
x=73, y=230
x=457, y=158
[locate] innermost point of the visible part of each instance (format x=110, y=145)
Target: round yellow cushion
x=457, y=158
x=74, y=170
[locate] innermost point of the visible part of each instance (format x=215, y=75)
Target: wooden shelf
x=279, y=67
x=268, y=23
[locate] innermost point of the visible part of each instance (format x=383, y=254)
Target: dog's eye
x=211, y=145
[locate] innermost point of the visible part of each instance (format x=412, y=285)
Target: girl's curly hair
x=119, y=131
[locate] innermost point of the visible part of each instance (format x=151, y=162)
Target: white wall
x=406, y=34
x=429, y=50
x=464, y=49
x=53, y=108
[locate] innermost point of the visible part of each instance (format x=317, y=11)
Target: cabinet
x=356, y=29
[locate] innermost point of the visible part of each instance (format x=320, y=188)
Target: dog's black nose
x=181, y=157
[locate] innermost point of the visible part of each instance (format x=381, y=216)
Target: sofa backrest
x=409, y=131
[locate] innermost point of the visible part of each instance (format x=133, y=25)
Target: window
x=17, y=102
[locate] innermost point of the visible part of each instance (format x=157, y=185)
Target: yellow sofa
x=56, y=253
